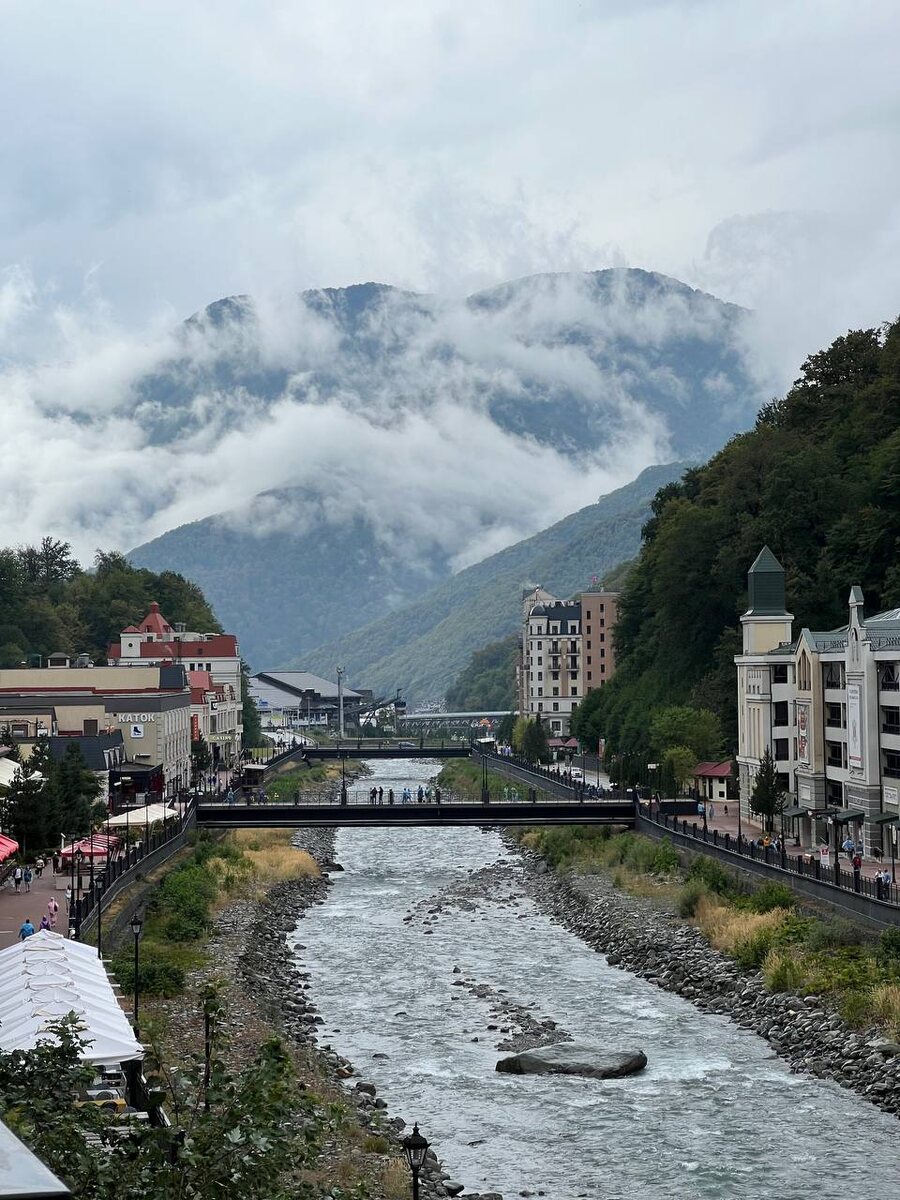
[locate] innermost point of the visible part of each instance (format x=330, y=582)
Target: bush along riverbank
x=820, y=991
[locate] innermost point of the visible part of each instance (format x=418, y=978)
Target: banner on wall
x=854, y=726
x=195, y=728
x=803, y=732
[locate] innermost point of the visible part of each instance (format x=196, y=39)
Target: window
x=540, y=645
x=556, y=706
x=209, y=666
x=540, y=674
x=573, y=674
x=556, y=691
x=589, y=676
x=803, y=673
x=602, y=637
x=834, y=792
x=90, y=727
x=780, y=673
x=588, y=646
x=890, y=720
x=781, y=748
x=834, y=715
x=834, y=752
x=540, y=661
x=602, y=622
x=601, y=607
x=587, y=629
x=574, y=692
x=589, y=660
x=540, y=706
x=540, y=691
x=602, y=668
x=781, y=713
x=554, y=674
x=602, y=652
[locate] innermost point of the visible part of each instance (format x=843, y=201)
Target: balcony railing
x=894, y=729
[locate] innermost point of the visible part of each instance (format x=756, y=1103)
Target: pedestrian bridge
x=215, y=815
x=361, y=750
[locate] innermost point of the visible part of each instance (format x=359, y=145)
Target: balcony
x=833, y=723
x=891, y=772
x=894, y=730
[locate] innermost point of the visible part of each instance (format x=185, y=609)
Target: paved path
x=753, y=829
x=16, y=906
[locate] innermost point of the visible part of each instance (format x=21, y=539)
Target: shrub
x=665, y=859
x=752, y=950
x=712, y=874
x=856, y=1008
x=769, y=896
x=783, y=971
x=834, y=934
x=748, y=937
x=886, y=1006
x=888, y=952
x=158, y=976
x=690, y=896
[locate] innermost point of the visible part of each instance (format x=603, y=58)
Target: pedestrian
x=230, y=796
x=390, y=795
x=420, y=795
x=52, y=910
x=381, y=795
x=27, y=930
x=712, y=810
x=17, y=878
x=68, y=899
x=26, y=878
x=373, y=795
x=725, y=809
x=437, y=795
x=45, y=924
x=856, y=863
x=39, y=866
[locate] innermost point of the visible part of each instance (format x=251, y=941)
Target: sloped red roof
x=713, y=770
x=155, y=622
x=131, y=629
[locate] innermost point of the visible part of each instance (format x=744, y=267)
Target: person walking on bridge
x=390, y=796
x=381, y=795
x=420, y=795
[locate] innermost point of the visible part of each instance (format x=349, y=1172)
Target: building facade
x=566, y=651
x=214, y=659
x=149, y=707
x=827, y=706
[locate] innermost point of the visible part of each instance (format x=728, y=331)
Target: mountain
x=423, y=647
x=378, y=440
x=817, y=480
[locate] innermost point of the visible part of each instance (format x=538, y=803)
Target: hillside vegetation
x=488, y=680
x=818, y=480
x=422, y=648
x=48, y=603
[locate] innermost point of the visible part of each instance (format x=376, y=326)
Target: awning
x=47, y=976
x=842, y=816
x=886, y=819
x=7, y=847
x=797, y=810
x=97, y=846
x=149, y=814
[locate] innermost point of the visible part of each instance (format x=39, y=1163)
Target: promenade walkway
x=16, y=906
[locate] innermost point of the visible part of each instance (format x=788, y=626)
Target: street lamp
x=343, y=783
x=415, y=1148
x=485, y=790
x=137, y=924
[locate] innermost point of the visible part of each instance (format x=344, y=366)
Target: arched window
x=803, y=673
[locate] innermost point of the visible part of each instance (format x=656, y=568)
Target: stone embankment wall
x=646, y=938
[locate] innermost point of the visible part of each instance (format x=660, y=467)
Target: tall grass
x=746, y=936
x=886, y=1006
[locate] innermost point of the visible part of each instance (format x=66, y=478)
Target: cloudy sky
x=157, y=155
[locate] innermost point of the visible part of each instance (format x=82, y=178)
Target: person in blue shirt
x=26, y=931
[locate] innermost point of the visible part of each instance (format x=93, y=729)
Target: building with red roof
x=213, y=665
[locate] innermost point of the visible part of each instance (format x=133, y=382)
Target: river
x=715, y=1114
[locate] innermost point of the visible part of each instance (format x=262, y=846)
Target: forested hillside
x=488, y=680
x=818, y=480
x=48, y=603
x=422, y=647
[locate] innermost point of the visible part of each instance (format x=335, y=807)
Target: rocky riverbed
x=645, y=937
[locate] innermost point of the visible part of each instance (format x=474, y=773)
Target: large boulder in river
x=574, y=1058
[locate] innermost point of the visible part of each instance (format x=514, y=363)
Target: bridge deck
x=295, y=816
x=351, y=750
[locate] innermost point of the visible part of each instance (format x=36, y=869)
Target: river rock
x=574, y=1058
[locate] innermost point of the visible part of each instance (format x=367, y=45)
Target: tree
x=252, y=734
x=767, y=798
x=30, y=811
x=505, y=728
x=534, y=742
x=518, y=734
x=682, y=725
x=245, y=1136
x=680, y=761
x=74, y=788
x=488, y=681
x=201, y=755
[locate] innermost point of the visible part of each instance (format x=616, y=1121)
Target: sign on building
x=854, y=726
x=137, y=731
x=803, y=732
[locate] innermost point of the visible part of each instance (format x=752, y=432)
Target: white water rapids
x=714, y=1115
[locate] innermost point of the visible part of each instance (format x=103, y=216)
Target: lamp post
x=415, y=1147
x=485, y=790
x=137, y=924
x=343, y=783
x=79, y=866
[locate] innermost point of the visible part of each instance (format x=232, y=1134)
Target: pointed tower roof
x=765, y=586
x=155, y=622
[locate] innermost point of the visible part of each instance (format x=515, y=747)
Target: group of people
x=22, y=876
x=424, y=795
x=48, y=920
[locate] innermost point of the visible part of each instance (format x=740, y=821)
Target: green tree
x=253, y=734
x=680, y=762
x=201, y=755
x=682, y=725
x=518, y=734
x=505, y=728
x=245, y=1136
x=767, y=799
x=488, y=681
x=534, y=742
x=74, y=789
x=30, y=811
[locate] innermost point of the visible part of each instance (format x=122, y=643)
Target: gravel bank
x=647, y=938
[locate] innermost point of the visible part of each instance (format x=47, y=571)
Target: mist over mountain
x=422, y=648
x=371, y=441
